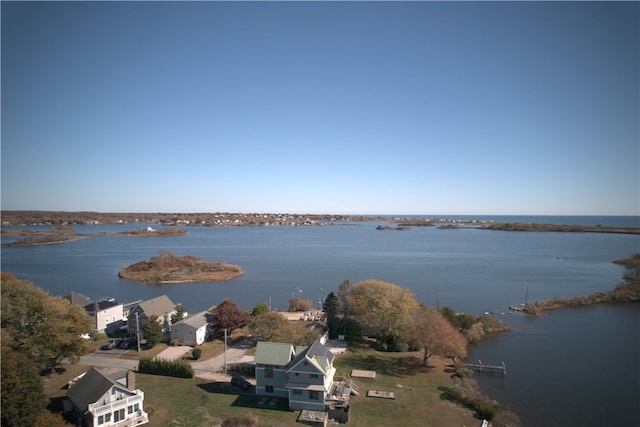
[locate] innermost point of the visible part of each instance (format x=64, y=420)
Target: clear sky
x=322, y=107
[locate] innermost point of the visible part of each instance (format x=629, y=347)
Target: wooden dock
x=487, y=369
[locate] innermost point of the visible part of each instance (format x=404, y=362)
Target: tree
x=229, y=316
x=179, y=314
x=46, y=329
x=152, y=330
x=259, y=309
x=271, y=326
x=298, y=304
x=331, y=306
x=22, y=391
x=344, y=297
x=383, y=308
x=436, y=335
x=49, y=419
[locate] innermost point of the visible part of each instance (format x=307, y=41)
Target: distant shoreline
x=40, y=242
x=621, y=224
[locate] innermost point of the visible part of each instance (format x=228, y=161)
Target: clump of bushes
x=464, y=392
x=472, y=327
x=169, y=368
x=243, y=369
x=196, y=353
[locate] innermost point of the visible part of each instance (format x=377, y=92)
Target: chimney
x=131, y=380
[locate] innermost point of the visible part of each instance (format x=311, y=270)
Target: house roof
x=159, y=306
x=273, y=353
x=91, y=387
x=101, y=305
x=77, y=298
x=198, y=320
x=318, y=355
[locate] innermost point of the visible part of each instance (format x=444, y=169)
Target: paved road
x=210, y=369
x=112, y=361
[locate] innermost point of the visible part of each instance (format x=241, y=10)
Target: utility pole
x=138, y=333
x=225, y=350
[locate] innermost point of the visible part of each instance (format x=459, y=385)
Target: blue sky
x=322, y=107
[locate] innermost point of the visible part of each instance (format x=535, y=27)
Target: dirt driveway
x=173, y=352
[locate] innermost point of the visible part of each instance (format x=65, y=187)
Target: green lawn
x=417, y=397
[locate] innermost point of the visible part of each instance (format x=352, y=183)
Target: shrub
x=402, y=347
x=169, y=368
x=466, y=394
x=196, y=353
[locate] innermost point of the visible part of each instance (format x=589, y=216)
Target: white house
x=194, y=330
x=107, y=315
x=102, y=401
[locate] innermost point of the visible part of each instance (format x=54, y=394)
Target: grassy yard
x=198, y=402
x=417, y=395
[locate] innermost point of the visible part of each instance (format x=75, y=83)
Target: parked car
x=110, y=345
x=238, y=381
x=128, y=343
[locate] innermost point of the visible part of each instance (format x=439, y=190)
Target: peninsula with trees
x=168, y=268
x=628, y=290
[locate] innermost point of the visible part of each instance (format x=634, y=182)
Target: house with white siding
x=194, y=330
x=107, y=315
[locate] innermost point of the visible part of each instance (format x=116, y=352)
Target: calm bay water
x=594, y=350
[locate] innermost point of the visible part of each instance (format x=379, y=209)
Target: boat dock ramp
x=487, y=369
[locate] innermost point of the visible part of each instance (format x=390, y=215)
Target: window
x=113, y=391
x=100, y=419
x=314, y=395
x=268, y=389
x=118, y=415
x=136, y=407
x=130, y=409
x=268, y=372
x=297, y=391
x=107, y=417
x=313, y=375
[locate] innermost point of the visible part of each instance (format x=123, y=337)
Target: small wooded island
x=168, y=268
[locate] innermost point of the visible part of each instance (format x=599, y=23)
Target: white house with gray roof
x=194, y=330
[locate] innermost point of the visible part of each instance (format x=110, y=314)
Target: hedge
x=169, y=368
